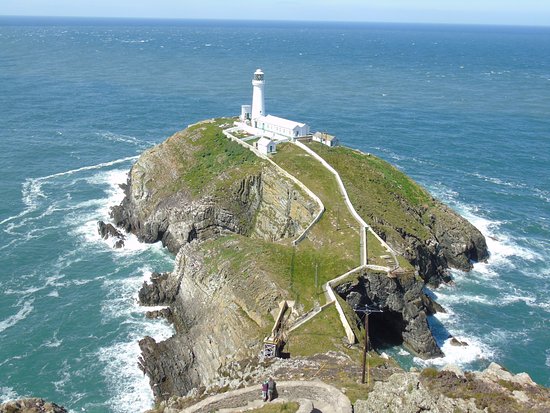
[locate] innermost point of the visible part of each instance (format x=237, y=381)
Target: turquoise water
x=463, y=110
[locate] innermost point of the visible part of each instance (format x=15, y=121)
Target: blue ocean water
x=464, y=110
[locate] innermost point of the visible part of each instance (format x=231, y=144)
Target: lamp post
x=366, y=309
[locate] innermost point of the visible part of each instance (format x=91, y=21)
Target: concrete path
x=313, y=396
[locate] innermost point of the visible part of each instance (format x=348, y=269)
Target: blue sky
x=520, y=12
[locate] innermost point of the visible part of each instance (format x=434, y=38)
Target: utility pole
x=366, y=310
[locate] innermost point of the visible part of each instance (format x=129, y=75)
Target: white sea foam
x=130, y=391
x=498, y=181
x=32, y=187
x=476, y=350
x=23, y=312
x=8, y=393
x=54, y=342
x=130, y=387
x=116, y=137
x=64, y=377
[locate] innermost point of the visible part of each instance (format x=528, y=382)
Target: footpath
x=364, y=227
x=312, y=396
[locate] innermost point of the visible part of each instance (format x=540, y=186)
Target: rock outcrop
x=109, y=231
x=451, y=390
x=161, y=205
x=404, y=316
x=33, y=405
x=218, y=313
x=451, y=242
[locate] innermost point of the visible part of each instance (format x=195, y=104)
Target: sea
x=464, y=110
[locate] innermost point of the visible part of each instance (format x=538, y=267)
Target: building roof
x=325, y=136
x=285, y=123
x=263, y=141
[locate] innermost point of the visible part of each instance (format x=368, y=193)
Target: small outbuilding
x=325, y=138
x=266, y=146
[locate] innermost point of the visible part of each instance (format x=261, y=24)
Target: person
x=264, y=390
x=270, y=388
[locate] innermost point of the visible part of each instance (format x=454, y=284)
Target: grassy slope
x=210, y=162
x=337, y=230
x=384, y=196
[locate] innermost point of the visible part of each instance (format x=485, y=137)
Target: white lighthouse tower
x=258, y=104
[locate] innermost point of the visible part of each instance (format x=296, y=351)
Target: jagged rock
x=453, y=368
x=109, y=231
x=496, y=373
x=404, y=316
x=31, y=406
x=457, y=343
x=161, y=291
x=165, y=313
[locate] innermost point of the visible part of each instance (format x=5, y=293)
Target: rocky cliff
x=236, y=192
x=230, y=217
x=451, y=390
x=221, y=316
x=422, y=229
x=404, y=306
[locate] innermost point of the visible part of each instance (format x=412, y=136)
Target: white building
x=265, y=146
x=325, y=138
x=280, y=127
x=254, y=120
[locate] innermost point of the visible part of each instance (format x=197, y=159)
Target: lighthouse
x=258, y=105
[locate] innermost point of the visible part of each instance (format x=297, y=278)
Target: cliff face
x=405, y=308
x=250, y=199
x=221, y=317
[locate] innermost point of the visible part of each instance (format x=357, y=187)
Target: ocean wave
x=7, y=394
x=502, y=247
x=117, y=137
x=32, y=187
x=474, y=351
x=54, y=342
x=23, y=312
x=129, y=387
x=498, y=181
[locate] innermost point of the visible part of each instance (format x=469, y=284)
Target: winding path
x=327, y=287
x=313, y=396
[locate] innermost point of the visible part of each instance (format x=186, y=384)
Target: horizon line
x=276, y=20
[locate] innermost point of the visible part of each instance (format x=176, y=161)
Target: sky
x=514, y=12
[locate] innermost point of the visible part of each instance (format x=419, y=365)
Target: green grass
x=322, y=333
x=293, y=269
x=286, y=407
x=337, y=230
x=387, y=199
x=216, y=160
